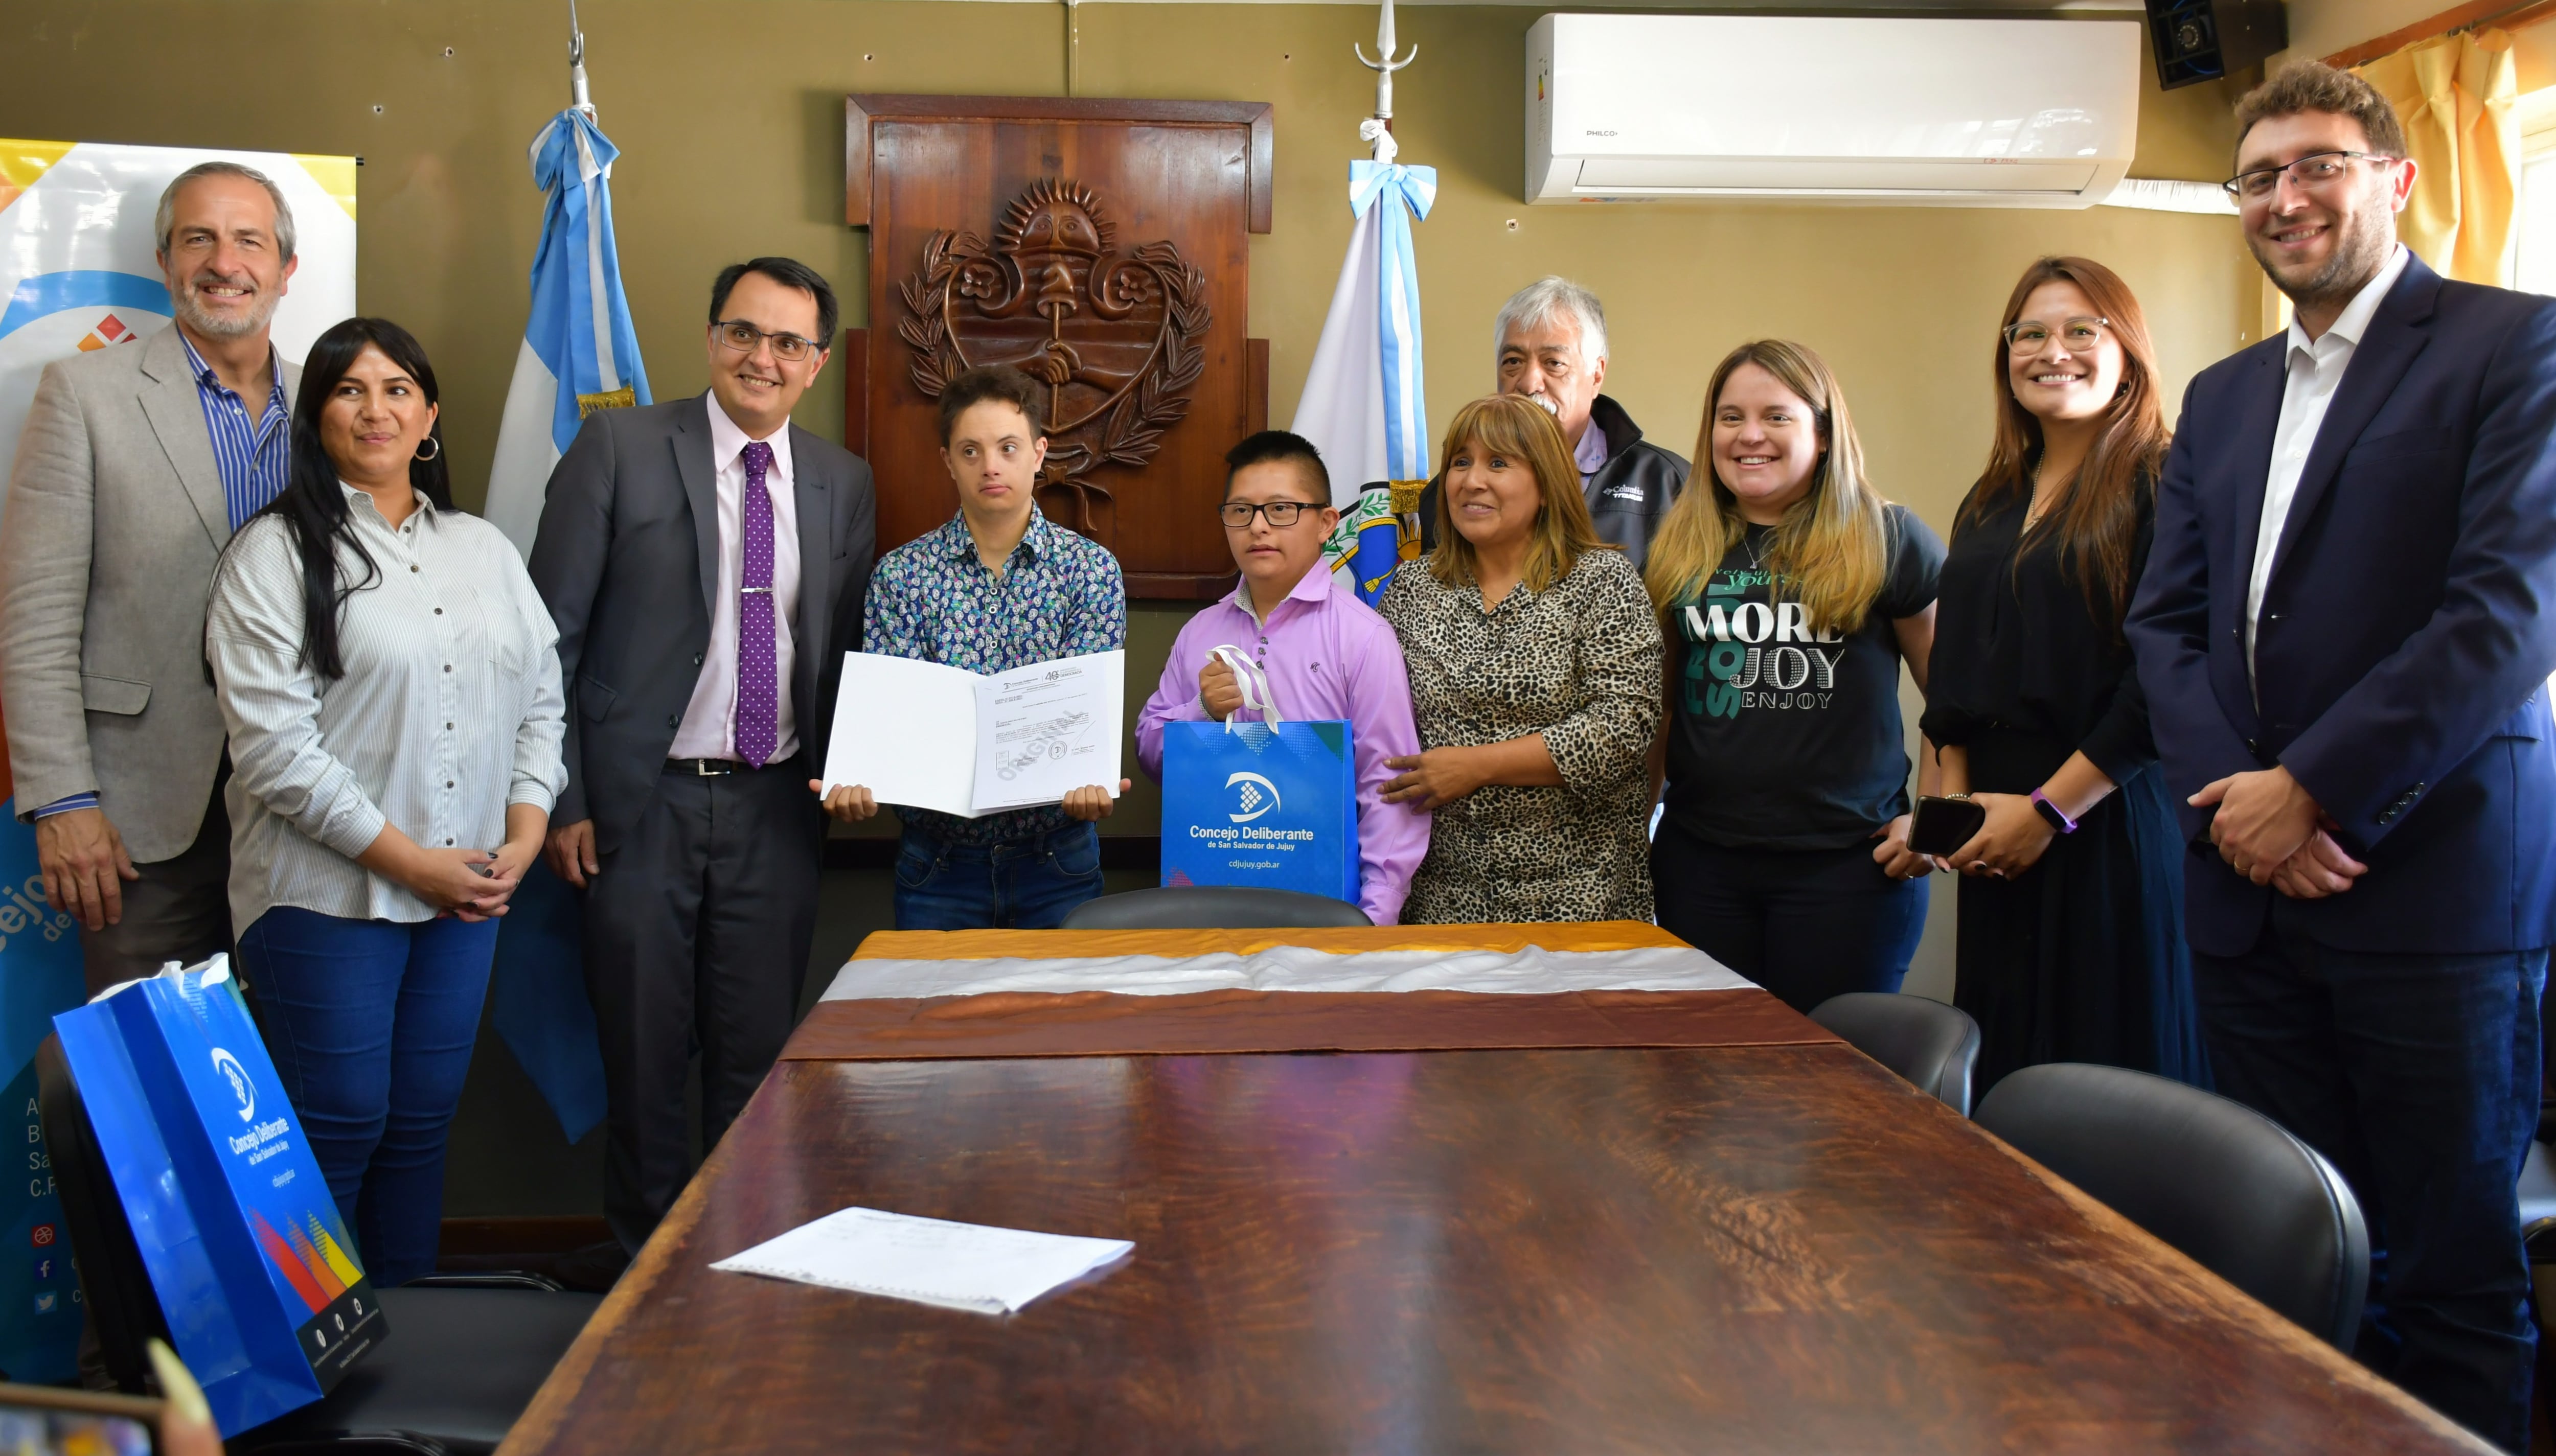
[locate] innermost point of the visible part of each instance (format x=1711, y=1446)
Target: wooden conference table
x=1752, y=1239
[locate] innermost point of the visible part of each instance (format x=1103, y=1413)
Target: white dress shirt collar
x=2356, y=316
x=728, y=440
x=356, y=494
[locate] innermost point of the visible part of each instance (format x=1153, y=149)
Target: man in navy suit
x=2345, y=638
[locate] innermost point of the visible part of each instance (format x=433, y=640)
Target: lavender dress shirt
x=709, y=728
x=1329, y=656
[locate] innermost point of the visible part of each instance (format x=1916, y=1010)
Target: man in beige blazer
x=136, y=465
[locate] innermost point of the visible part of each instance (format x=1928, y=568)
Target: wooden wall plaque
x=1100, y=246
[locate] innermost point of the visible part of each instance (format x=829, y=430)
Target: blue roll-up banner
x=256, y=1277
x=40, y=974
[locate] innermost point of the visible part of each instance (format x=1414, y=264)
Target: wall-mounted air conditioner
x=1999, y=114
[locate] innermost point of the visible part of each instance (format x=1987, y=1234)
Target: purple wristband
x=2057, y=816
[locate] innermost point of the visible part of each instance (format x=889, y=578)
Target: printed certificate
x=973, y=744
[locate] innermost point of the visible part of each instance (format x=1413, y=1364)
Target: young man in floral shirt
x=1000, y=586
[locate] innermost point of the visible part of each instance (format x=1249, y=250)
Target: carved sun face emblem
x=1056, y=226
x=1117, y=337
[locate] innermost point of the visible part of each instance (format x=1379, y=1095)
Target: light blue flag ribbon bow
x=1406, y=403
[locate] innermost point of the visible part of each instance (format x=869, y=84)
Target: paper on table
x=941, y=738
x=928, y=1259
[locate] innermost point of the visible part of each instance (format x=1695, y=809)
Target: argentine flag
x=1363, y=405
x=580, y=356
x=579, y=351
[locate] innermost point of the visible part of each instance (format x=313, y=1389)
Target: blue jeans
x=1025, y=886
x=2418, y=1077
x=371, y=1024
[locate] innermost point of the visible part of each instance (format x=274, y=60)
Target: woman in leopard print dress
x=1535, y=679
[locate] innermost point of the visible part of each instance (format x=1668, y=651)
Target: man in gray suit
x=706, y=562
x=136, y=465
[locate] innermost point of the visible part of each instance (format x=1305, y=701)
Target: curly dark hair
x=2313, y=85
x=992, y=382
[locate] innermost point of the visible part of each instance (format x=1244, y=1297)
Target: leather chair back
x=2215, y=1178
x=1933, y=1045
x=1213, y=908
x=114, y=1282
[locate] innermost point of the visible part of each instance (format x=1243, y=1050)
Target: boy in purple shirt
x=1328, y=654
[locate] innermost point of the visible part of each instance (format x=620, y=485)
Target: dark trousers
x=2418, y=1077
x=1805, y=924
x=697, y=935
x=371, y=1024
x=180, y=910
x=1028, y=886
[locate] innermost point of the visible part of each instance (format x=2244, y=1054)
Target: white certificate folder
x=977, y=743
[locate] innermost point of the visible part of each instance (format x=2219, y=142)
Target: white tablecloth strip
x=1533, y=970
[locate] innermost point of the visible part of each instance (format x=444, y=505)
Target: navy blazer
x=2404, y=644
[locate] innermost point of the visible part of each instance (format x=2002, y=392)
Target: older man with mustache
x=1549, y=345
x=2344, y=640
x=136, y=465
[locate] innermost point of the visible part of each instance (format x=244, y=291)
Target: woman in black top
x=2070, y=944
x=1791, y=594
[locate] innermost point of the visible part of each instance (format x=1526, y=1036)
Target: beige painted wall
x=2320, y=28
x=730, y=119
x=728, y=116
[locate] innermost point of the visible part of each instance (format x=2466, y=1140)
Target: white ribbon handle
x=1253, y=681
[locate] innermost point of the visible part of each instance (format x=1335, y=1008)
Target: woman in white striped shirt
x=391, y=684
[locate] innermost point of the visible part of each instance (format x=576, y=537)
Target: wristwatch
x=2057, y=816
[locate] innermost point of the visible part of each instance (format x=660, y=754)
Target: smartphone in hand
x=1943, y=824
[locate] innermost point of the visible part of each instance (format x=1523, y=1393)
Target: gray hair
x=165, y=223
x=1545, y=297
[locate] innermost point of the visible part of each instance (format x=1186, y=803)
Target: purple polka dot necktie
x=758, y=703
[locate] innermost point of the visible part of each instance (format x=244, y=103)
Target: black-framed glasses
x=742, y=337
x=2075, y=335
x=2315, y=170
x=1237, y=515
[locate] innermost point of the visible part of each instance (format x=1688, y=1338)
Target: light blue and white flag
x=1364, y=406
x=580, y=356
x=579, y=351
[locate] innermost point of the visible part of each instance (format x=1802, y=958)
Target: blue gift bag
x=1272, y=803
x=255, y=1275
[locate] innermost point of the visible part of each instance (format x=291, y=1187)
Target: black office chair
x=1213, y=908
x=2215, y=1178
x=462, y=1359
x=1930, y=1044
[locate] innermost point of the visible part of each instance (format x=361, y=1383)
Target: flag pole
x=578, y=96
x=1377, y=130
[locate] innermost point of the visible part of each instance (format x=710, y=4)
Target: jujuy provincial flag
x=1364, y=406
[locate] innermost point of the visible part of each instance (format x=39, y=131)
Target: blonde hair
x=1505, y=425
x=1830, y=553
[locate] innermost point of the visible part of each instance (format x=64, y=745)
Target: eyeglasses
x=742, y=337
x=1237, y=515
x=2315, y=170
x=2074, y=335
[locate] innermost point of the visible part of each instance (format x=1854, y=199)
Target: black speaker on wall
x=2204, y=40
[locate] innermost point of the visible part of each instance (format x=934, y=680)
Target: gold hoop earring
x=435, y=454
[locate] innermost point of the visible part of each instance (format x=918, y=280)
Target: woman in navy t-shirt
x=1791, y=593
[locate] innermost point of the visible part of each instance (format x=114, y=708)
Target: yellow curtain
x=2455, y=95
